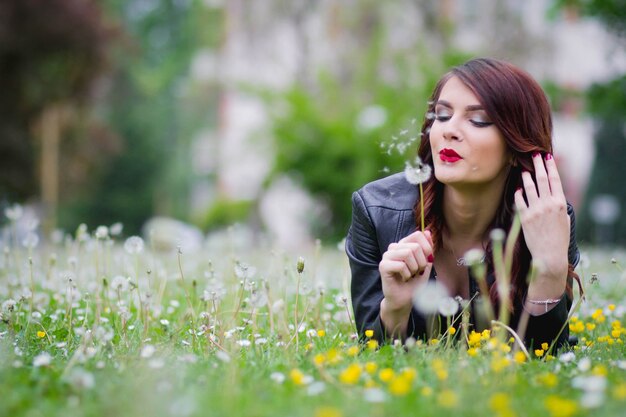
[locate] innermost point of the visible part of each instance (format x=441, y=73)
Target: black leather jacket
x=383, y=213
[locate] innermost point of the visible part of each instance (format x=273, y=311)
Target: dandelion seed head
x=134, y=245
x=42, y=359
x=417, y=172
x=428, y=296
x=102, y=232
x=14, y=212
x=448, y=306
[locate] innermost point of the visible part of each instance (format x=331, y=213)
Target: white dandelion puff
x=448, y=306
x=133, y=245
x=43, y=359
x=417, y=172
x=428, y=296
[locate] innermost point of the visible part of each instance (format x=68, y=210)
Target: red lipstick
x=448, y=155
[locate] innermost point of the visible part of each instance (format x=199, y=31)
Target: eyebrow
x=472, y=107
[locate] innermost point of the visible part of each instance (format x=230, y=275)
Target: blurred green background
x=270, y=113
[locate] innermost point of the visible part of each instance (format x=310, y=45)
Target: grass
x=90, y=329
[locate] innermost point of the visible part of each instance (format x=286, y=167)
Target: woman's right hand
x=403, y=267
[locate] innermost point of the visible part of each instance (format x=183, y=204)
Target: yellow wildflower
x=351, y=374
x=598, y=316
x=447, y=399
x=371, y=367
x=451, y=331
x=560, y=407
x=590, y=326
x=539, y=352
x=328, y=412
x=369, y=333
x=353, y=350
x=333, y=356
x=505, y=348
x=372, y=344
x=485, y=334
x=499, y=402
x=548, y=379
x=616, y=333
x=319, y=359
x=474, y=339
x=408, y=373
x=399, y=386
x=321, y=333
x=519, y=357
x=600, y=370
x=611, y=307
x=297, y=377
x=41, y=334
x=427, y=391
x=472, y=352
x=386, y=374
x=619, y=391
x=433, y=341
x=498, y=364
x=545, y=346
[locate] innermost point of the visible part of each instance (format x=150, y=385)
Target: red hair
x=518, y=107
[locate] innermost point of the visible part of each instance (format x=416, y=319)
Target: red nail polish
x=548, y=156
x=430, y=258
x=518, y=189
x=535, y=154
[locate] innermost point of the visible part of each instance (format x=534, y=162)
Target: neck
x=468, y=212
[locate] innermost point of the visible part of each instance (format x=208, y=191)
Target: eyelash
x=474, y=122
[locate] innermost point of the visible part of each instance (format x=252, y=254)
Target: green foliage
x=224, y=212
x=607, y=102
x=318, y=139
x=146, y=107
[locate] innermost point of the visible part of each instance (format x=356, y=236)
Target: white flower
x=428, y=296
x=316, y=388
x=147, y=351
x=593, y=383
x=497, y=235
x=417, y=172
x=374, y=395
x=31, y=240
x=9, y=305
x=448, y=306
x=116, y=229
x=43, y=359
x=102, y=232
x=243, y=343
x=278, y=306
x=119, y=283
x=567, y=357
x=584, y=365
x=277, y=377
x=223, y=356
x=592, y=399
x=81, y=379
x=14, y=212
x=133, y=245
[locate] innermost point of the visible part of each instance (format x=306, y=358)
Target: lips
x=449, y=155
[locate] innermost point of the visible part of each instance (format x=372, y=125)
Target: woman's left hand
x=546, y=226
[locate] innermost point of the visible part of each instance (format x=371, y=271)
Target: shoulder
x=393, y=192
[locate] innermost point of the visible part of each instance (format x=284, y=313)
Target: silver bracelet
x=546, y=303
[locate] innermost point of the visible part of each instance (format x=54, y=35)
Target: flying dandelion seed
x=417, y=172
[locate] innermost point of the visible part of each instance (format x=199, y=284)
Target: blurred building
x=275, y=44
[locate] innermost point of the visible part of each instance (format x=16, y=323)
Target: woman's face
x=468, y=149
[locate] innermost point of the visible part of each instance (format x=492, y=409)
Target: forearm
x=394, y=320
x=545, y=291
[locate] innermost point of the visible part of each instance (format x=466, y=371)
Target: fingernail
x=518, y=189
x=536, y=154
x=548, y=156
x=430, y=258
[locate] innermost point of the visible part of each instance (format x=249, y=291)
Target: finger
x=425, y=254
x=406, y=254
x=519, y=201
x=555, y=179
x=398, y=269
x=541, y=176
x=529, y=188
x=411, y=238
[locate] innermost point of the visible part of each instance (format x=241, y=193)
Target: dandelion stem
x=422, y=206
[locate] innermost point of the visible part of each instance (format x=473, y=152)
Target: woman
x=490, y=146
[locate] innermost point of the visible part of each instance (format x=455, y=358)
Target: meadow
x=96, y=324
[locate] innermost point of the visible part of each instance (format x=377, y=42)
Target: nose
x=451, y=129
